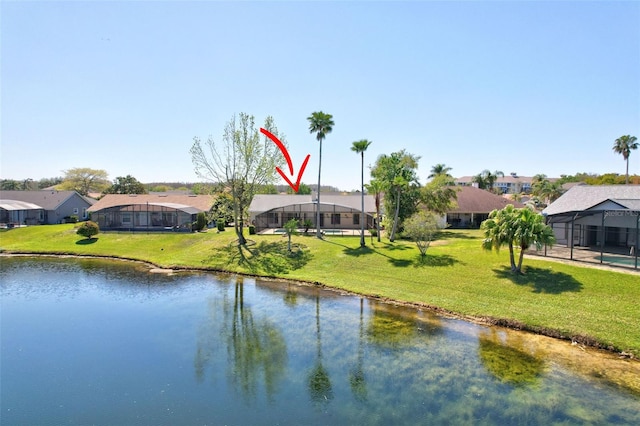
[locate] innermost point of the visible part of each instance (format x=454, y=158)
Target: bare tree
x=242, y=162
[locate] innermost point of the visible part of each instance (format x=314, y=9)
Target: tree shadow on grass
x=86, y=241
x=425, y=261
x=541, y=280
x=266, y=257
x=436, y=260
x=359, y=251
x=394, y=247
x=418, y=261
x=449, y=235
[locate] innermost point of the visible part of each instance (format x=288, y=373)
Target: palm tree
x=399, y=184
x=360, y=147
x=529, y=228
x=522, y=227
x=375, y=187
x=486, y=179
x=439, y=169
x=545, y=190
x=321, y=124
x=623, y=145
x=491, y=178
x=291, y=228
x=498, y=231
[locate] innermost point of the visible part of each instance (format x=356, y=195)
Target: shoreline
x=583, y=340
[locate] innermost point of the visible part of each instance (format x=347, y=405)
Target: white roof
x=265, y=202
x=13, y=205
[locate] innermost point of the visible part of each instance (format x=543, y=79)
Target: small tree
x=291, y=228
x=242, y=161
x=88, y=229
x=421, y=228
x=306, y=224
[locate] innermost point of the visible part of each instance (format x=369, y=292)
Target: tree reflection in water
x=506, y=357
x=319, y=382
x=357, y=379
x=256, y=349
x=388, y=328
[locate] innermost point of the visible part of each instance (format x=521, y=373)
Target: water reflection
x=390, y=326
x=103, y=344
x=320, y=389
x=507, y=358
x=357, y=379
x=256, y=350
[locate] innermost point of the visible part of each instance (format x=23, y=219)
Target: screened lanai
x=597, y=224
x=14, y=212
x=604, y=236
x=148, y=212
x=166, y=216
x=339, y=212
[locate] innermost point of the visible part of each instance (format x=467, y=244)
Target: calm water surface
x=93, y=342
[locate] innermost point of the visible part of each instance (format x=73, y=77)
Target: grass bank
x=593, y=306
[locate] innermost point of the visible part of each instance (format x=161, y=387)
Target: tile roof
x=199, y=202
x=475, y=200
x=584, y=197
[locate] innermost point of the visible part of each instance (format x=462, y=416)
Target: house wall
x=74, y=205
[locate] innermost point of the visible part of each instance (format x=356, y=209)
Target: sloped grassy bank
x=590, y=306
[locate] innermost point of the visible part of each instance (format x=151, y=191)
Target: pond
x=105, y=343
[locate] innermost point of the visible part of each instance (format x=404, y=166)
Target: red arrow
x=285, y=152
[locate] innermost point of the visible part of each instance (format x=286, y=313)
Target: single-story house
x=473, y=207
x=336, y=211
x=604, y=217
x=42, y=207
x=149, y=212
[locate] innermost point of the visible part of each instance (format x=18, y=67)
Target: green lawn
x=456, y=275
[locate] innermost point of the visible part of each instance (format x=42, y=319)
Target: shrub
x=201, y=222
x=88, y=229
x=220, y=224
x=71, y=219
x=374, y=232
x=306, y=224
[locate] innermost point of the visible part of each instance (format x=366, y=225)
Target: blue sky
x=527, y=87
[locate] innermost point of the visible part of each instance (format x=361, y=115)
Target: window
x=335, y=218
x=75, y=210
x=126, y=218
x=356, y=219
